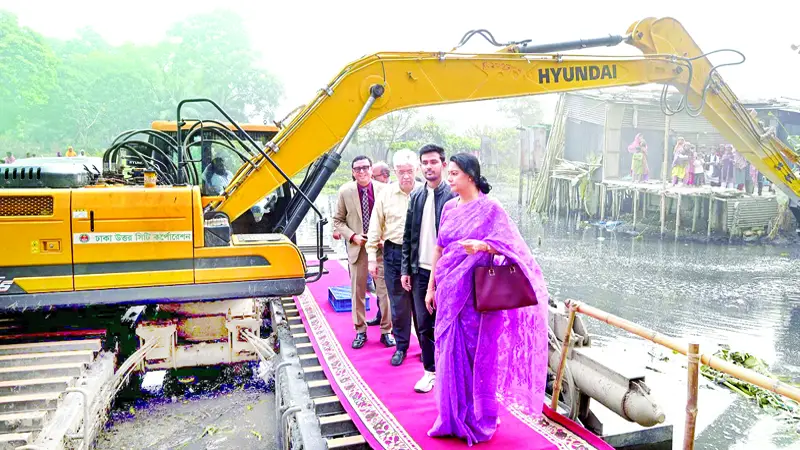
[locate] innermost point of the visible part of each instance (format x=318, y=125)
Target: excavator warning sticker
x=127, y=238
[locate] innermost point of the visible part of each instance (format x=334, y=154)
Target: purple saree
x=484, y=361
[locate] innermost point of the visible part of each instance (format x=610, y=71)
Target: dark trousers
x=402, y=300
x=425, y=320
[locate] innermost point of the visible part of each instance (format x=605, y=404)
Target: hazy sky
x=307, y=43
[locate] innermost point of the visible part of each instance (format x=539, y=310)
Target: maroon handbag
x=503, y=287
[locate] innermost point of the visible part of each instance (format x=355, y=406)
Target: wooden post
x=603, y=195
x=691, y=396
x=664, y=175
x=645, y=200
x=695, y=212
x=558, y=196
x=663, y=212
x=664, y=171
x=522, y=161
x=710, y=212
x=564, y=351
x=635, y=207
x=678, y=217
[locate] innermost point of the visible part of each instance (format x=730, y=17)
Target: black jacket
x=416, y=203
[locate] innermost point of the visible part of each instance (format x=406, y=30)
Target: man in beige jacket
x=352, y=217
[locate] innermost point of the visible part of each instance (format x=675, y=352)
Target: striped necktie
x=365, y=211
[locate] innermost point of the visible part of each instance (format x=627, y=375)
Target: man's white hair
x=404, y=157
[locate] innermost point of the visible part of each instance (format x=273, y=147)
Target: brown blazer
x=347, y=217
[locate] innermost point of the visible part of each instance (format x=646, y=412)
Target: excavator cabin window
x=216, y=150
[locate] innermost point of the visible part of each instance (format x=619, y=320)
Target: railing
x=182, y=162
x=690, y=350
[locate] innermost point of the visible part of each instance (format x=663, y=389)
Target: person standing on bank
x=352, y=220
x=388, y=226
x=419, y=243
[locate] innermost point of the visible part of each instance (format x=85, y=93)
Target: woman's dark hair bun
x=483, y=185
x=470, y=165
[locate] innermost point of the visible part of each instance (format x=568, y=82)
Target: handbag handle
x=512, y=266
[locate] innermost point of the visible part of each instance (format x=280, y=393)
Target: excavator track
x=331, y=426
x=37, y=372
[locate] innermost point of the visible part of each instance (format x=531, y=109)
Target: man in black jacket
x=419, y=242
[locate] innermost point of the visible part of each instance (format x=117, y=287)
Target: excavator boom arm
x=421, y=79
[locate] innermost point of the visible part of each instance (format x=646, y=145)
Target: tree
x=84, y=91
x=28, y=74
x=525, y=110
x=213, y=58
x=380, y=136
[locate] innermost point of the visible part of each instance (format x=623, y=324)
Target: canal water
x=743, y=296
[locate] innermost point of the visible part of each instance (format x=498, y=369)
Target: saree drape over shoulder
x=485, y=361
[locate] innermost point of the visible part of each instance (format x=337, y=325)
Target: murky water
x=747, y=297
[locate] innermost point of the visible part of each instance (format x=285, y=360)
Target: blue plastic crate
x=341, y=299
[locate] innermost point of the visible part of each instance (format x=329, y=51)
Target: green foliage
x=765, y=399
x=28, y=74
x=84, y=91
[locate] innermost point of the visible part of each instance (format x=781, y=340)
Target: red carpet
x=380, y=397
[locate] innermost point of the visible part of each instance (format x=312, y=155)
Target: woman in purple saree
x=484, y=361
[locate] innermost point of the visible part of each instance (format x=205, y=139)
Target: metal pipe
x=85, y=394
x=609, y=41
x=564, y=350
x=714, y=362
x=691, y=403
x=278, y=397
x=284, y=440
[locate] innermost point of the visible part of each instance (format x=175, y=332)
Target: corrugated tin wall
x=753, y=212
x=646, y=119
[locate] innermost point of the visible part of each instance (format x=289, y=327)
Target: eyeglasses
x=361, y=168
x=405, y=173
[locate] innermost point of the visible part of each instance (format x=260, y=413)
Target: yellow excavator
x=150, y=228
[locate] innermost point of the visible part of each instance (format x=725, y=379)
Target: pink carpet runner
x=380, y=397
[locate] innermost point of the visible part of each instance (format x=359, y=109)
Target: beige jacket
x=347, y=217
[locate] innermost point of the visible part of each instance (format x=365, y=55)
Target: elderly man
x=388, y=226
x=380, y=172
x=352, y=220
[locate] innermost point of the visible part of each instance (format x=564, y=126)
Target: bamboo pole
x=691, y=396
x=663, y=212
x=635, y=207
x=710, y=213
x=678, y=217
x=564, y=350
x=721, y=365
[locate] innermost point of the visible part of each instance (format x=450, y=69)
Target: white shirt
x=427, y=231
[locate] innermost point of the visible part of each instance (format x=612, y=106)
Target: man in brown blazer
x=354, y=206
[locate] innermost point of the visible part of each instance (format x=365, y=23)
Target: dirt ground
x=212, y=412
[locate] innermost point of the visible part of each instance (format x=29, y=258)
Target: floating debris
x=766, y=399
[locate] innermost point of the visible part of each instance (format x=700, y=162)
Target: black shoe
x=398, y=357
x=360, y=339
x=388, y=340
x=373, y=322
